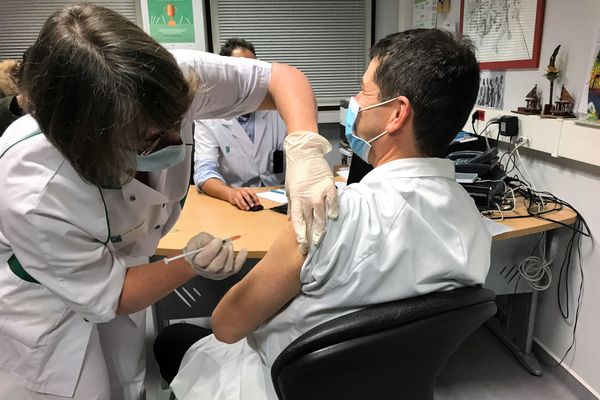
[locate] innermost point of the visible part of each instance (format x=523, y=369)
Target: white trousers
x=92, y=384
x=122, y=341
x=114, y=365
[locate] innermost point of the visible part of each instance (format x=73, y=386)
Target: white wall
x=574, y=25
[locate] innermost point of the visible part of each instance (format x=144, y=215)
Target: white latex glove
x=309, y=186
x=216, y=260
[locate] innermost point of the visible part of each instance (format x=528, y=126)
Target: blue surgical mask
x=360, y=146
x=161, y=159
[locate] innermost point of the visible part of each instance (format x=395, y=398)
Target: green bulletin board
x=171, y=21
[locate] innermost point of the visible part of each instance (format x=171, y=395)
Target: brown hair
x=96, y=83
x=438, y=72
x=8, y=72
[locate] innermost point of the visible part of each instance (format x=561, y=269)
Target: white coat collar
x=418, y=167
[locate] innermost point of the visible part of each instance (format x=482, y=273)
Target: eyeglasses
x=152, y=144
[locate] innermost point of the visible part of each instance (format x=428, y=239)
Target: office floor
x=481, y=369
x=484, y=369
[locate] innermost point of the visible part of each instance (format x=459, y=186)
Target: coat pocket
x=28, y=311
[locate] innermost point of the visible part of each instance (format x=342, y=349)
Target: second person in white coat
x=232, y=155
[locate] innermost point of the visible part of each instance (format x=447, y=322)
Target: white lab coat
x=242, y=163
x=405, y=230
x=77, y=240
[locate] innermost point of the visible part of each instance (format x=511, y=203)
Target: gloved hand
x=216, y=260
x=309, y=186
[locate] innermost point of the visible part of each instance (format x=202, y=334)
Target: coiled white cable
x=534, y=271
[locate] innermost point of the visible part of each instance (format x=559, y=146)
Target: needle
x=168, y=260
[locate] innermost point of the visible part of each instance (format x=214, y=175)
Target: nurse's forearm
x=291, y=94
x=147, y=283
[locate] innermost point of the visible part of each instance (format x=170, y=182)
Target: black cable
x=578, y=229
x=567, y=261
x=490, y=122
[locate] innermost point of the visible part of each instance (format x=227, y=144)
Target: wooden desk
x=530, y=225
x=219, y=218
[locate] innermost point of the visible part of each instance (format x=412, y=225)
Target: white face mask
x=360, y=146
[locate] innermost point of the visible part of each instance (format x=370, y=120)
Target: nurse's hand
x=309, y=186
x=215, y=259
x=243, y=198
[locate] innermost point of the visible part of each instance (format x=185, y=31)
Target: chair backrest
x=389, y=351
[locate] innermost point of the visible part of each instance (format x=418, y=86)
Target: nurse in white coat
x=92, y=179
x=232, y=155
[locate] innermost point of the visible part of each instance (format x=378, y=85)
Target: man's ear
x=401, y=115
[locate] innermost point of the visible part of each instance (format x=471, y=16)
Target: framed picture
x=507, y=33
x=175, y=23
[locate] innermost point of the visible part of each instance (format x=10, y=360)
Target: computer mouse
x=256, y=207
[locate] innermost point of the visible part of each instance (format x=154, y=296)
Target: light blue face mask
x=360, y=146
x=161, y=159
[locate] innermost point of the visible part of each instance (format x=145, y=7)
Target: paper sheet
x=424, y=15
x=343, y=173
x=276, y=196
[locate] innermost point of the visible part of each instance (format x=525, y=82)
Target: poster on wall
x=591, y=88
x=507, y=33
x=424, y=14
x=175, y=23
x=491, y=89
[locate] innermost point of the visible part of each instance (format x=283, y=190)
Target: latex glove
x=216, y=260
x=309, y=186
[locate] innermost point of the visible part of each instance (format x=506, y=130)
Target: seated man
x=406, y=229
x=234, y=154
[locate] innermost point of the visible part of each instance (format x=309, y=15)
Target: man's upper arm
x=271, y=284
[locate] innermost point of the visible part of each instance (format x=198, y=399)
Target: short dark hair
x=96, y=83
x=439, y=74
x=236, y=43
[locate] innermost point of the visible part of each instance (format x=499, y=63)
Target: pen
x=277, y=191
x=168, y=260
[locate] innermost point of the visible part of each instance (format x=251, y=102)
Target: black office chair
x=389, y=351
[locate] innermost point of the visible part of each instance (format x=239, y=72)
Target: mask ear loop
x=377, y=137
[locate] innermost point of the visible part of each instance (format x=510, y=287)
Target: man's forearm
x=216, y=188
